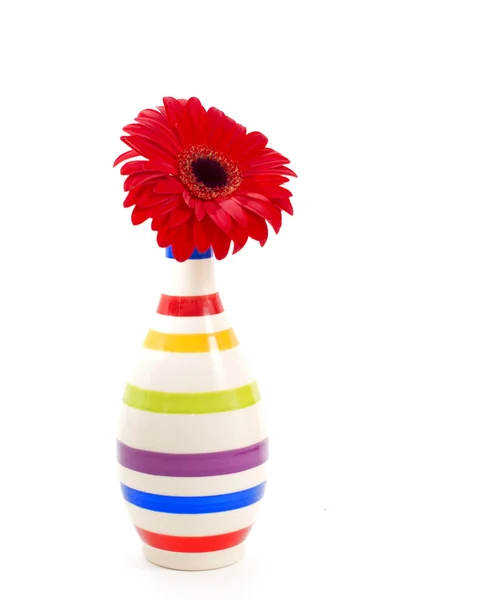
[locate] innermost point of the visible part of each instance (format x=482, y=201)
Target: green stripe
x=195, y=404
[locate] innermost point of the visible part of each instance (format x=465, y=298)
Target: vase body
x=192, y=445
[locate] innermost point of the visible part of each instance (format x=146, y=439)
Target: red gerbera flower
x=204, y=181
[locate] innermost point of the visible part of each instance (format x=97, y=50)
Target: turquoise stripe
x=194, y=256
x=193, y=505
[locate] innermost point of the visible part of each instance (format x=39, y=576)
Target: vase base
x=190, y=561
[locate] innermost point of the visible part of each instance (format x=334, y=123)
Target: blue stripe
x=193, y=505
x=194, y=256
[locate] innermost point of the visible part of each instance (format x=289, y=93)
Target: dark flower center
x=209, y=172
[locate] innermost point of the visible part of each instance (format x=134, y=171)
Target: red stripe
x=190, y=306
x=210, y=543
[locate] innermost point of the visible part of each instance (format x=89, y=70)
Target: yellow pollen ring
x=190, y=342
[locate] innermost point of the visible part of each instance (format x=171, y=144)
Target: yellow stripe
x=190, y=342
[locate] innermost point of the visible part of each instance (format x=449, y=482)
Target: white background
x=367, y=318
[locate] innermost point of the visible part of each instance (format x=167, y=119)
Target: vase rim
x=196, y=255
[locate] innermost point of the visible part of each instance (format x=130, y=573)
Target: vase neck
x=194, y=277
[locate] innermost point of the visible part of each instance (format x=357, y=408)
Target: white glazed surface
x=193, y=525
x=206, y=324
x=201, y=561
x=190, y=372
x=189, y=434
x=190, y=278
x=192, y=486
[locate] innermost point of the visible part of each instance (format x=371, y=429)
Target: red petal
x=201, y=240
x=148, y=148
x=165, y=205
x=174, y=110
x=255, y=195
x=180, y=215
x=154, y=115
x=266, y=189
x=169, y=186
x=221, y=245
x=222, y=138
x=124, y=156
x=236, y=138
x=212, y=125
x=265, y=161
x=221, y=132
x=252, y=144
x=200, y=210
x=155, y=134
x=195, y=115
x=188, y=199
x=163, y=236
x=264, y=209
x=268, y=211
x=218, y=215
x=217, y=238
x=149, y=131
x=284, y=204
x=146, y=198
x=138, y=179
x=168, y=137
x=155, y=121
x=134, y=166
x=158, y=223
x=239, y=237
x=272, y=191
x=133, y=197
x=139, y=215
x=129, y=201
x=257, y=228
x=270, y=153
x=182, y=241
x=148, y=166
x=235, y=210
x=269, y=171
x=258, y=177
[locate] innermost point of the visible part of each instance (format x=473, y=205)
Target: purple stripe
x=193, y=465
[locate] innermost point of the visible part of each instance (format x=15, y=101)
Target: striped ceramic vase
x=192, y=445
